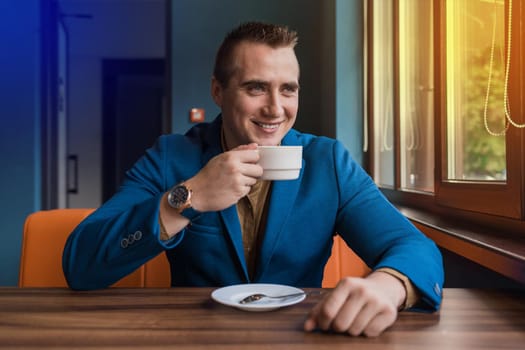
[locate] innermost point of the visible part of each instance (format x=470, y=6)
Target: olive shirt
x=251, y=209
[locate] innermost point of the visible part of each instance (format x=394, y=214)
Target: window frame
x=502, y=199
x=495, y=204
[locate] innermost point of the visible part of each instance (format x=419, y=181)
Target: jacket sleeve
x=123, y=233
x=381, y=235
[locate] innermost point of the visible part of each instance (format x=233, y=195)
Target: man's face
x=261, y=99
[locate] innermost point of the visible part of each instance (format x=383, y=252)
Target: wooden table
x=188, y=318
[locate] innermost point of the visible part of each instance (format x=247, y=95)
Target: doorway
x=116, y=57
x=134, y=100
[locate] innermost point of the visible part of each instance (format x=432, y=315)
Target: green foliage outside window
x=484, y=154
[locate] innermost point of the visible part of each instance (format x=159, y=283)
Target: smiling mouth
x=267, y=126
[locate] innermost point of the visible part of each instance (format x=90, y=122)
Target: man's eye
x=289, y=90
x=256, y=88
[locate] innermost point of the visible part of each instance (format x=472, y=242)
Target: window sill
x=494, y=248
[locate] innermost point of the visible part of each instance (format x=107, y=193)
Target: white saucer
x=231, y=296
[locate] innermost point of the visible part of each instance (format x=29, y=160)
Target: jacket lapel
x=212, y=141
x=233, y=227
x=229, y=215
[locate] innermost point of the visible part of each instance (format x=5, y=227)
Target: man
x=199, y=198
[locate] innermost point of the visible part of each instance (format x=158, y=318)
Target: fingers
x=251, y=146
x=377, y=324
x=371, y=320
x=226, y=178
x=325, y=312
x=353, y=307
x=246, y=153
x=335, y=303
x=246, y=158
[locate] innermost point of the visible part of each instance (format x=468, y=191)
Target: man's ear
x=216, y=92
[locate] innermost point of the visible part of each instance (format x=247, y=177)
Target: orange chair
x=46, y=232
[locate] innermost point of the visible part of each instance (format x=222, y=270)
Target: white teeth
x=268, y=126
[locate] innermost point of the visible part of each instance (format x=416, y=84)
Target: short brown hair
x=272, y=35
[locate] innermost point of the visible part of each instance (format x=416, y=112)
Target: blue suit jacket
x=332, y=194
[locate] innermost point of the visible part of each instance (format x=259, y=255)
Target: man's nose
x=274, y=106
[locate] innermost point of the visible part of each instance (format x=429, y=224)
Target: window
x=475, y=79
x=383, y=102
x=416, y=95
x=445, y=102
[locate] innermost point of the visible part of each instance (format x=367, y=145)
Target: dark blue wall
x=349, y=75
x=19, y=127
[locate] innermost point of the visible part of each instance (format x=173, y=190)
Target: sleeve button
x=437, y=289
x=124, y=243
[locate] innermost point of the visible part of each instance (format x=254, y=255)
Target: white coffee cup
x=280, y=162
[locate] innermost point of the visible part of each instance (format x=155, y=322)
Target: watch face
x=178, y=196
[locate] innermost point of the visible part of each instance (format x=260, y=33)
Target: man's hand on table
x=358, y=306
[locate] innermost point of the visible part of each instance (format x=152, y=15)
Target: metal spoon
x=258, y=296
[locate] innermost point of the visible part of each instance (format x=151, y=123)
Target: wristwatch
x=179, y=198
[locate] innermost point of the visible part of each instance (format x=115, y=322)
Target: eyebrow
x=254, y=82
x=291, y=84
